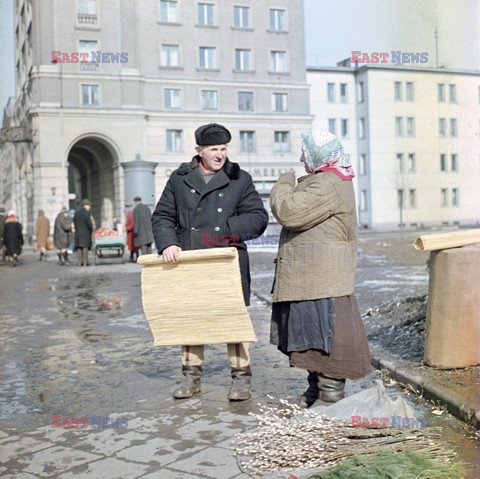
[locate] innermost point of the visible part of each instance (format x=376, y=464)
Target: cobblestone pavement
x=75, y=344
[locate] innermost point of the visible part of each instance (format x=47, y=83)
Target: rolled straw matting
x=196, y=301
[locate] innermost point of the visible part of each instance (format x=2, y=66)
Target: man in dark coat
x=142, y=226
x=2, y=224
x=210, y=202
x=61, y=235
x=82, y=222
x=12, y=238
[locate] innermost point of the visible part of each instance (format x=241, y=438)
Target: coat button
x=219, y=210
x=192, y=191
x=220, y=194
x=217, y=228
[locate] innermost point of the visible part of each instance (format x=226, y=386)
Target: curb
x=453, y=402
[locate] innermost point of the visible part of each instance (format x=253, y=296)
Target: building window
x=361, y=96
x=363, y=200
x=398, y=91
x=400, y=165
x=441, y=92
x=87, y=46
x=410, y=92
x=174, y=140
x=361, y=128
x=455, y=197
x=343, y=93
x=247, y=142
x=245, y=101
x=444, y=197
x=332, y=125
x=279, y=102
x=443, y=162
x=171, y=98
x=411, y=163
x=452, y=93
x=454, y=162
x=209, y=99
x=169, y=11
x=207, y=58
x=206, y=12
x=281, y=141
x=400, y=198
x=412, y=200
x=278, y=61
x=399, y=126
x=277, y=20
x=170, y=56
x=241, y=17
x=453, y=127
x=410, y=126
x=331, y=92
x=344, y=128
x=442, y=127
x=87, y=12
x=243, y=60
x=363, y=164
x=90, y=95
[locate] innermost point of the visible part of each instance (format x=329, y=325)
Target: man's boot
x=331, y=390
x=241, y=384
x=192, y=376
x=60, y=258
x=65, y=258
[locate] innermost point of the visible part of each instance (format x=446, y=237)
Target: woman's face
x=304, y=161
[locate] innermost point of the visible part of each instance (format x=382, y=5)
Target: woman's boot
x=241, y=384
x=192, y=376
x=60, y=259
x=331, y=390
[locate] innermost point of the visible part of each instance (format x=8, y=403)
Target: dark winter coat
x=61, y=231
x=12, y=236
x=142, y=225
x=83, y=228
x=2, y=224
x=226, y=211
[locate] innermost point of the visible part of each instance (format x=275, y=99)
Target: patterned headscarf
x=323, y=152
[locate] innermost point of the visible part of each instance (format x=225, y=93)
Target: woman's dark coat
x=83, y=228
x=12, y=237
x=226, y=211
x=142, y=225
x=61, y=231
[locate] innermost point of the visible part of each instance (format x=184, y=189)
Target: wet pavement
x=75, y=344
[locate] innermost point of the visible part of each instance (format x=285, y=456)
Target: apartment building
x=165, y=67
x=413, y=135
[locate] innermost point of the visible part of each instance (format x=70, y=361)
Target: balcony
x=88, y=67
x=86, y=19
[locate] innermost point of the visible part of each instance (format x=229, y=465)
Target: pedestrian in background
x=315, y=318
x=12, y=238
x=2, y=224
x=83, y=232
x=130, y=237
x=142, y=226
x=61, y=235
x=42, y=232
x=210, y=196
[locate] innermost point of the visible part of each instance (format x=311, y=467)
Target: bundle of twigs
x=295, y=438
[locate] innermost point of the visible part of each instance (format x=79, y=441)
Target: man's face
x=213, y=157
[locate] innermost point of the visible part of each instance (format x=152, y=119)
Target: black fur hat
x=212, y=134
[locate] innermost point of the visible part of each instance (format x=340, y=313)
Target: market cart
x=108, y=247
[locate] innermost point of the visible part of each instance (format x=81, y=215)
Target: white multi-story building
x=166, y=67
x=414, y=138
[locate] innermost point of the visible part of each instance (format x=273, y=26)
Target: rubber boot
x=192, y=376
x=331, y=390
x=310, y=395
x=241, y=384
x=60, y=259
x=41, y=257
x=65, y=258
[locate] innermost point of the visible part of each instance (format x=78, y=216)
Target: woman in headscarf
x=315, y=317
x=42, y=232
x=12, y=238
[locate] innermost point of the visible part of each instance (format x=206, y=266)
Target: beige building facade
x=413, y=135
x=165, y=68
